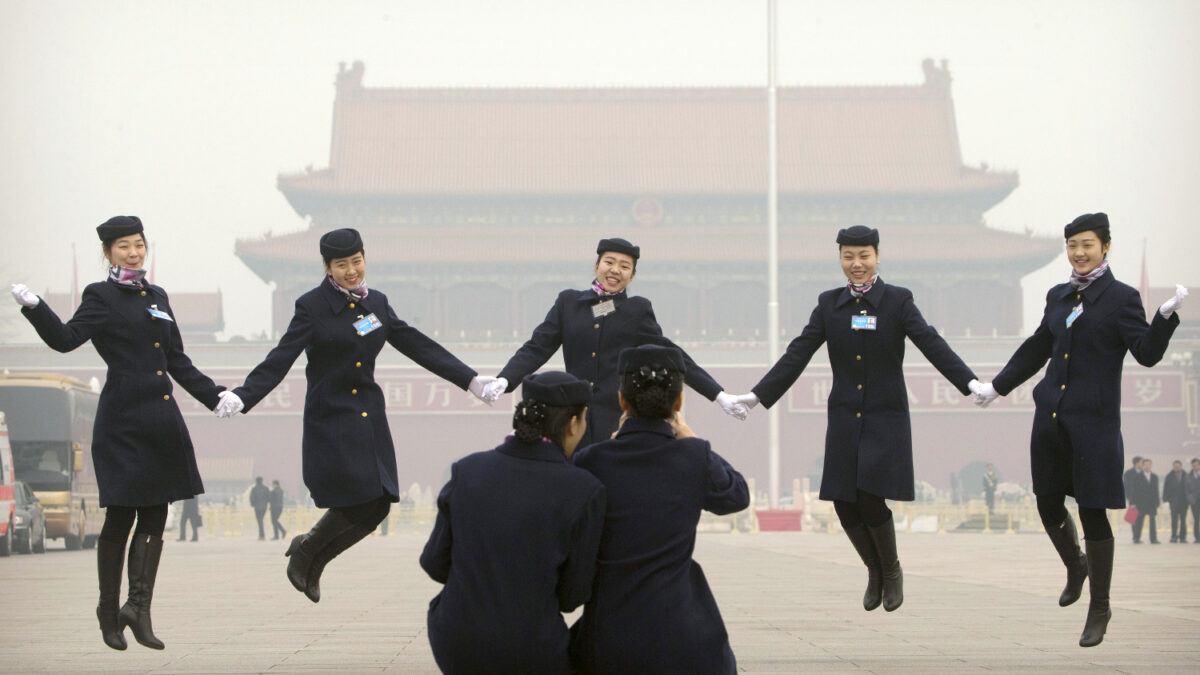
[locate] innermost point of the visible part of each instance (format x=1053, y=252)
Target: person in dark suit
x=190, y=514
x=276, y=503
x=1192, y=487
x=868, y=440
x=260, y=498
x=651, y=609
x=349, y=460
x=515, y=540
x=592, y=326
x=1076, y=449
x=1174, y=493
x=1147, y=500
x=141, y=449
x=990, y=481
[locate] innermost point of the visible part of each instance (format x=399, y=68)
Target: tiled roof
x=885, y=140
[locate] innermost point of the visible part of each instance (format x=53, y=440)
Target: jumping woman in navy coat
x=515, y=540
x=868, y=442
x=1088, y=326
x=349, y=459
x=593, y=326
x=141, y=449
x=651, y=610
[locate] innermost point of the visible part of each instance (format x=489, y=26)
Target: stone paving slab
x=791, y=602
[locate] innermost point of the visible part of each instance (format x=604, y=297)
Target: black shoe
x=1066, y=541
x=304, y=549
x=1100, y=564
x=110, y=561
x=144, y=555
x=861, y=538
x=884, y=538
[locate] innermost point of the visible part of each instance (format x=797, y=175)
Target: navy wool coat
x=651, y=609
x=1076, y=446
x=868, y=440
x=590, y=347
x=141, y=449
x=515, y=544
x=347, y=446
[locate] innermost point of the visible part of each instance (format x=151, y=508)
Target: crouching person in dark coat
x=868, y=440
x=1076, y=449
x=349, y=459
x=515, y=540
x=651, y=609
x=141, y=449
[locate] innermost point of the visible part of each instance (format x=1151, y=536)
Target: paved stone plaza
x=791, y=601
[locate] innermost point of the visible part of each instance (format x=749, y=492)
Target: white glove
x=984, y=393
x=229, y=405
x=493, y=391
x=26, y=298
x=1168, y=308
x=749, y=400
x=479, y=387
x=731, y=406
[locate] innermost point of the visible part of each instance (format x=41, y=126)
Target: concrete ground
x=791, y=602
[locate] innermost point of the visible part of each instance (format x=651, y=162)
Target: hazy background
x=185, y=112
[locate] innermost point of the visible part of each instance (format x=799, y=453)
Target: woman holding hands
x=1087, y=327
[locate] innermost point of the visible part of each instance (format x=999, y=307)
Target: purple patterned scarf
x=357, y=294
x=127, y=277
x=859, y=291
x=1082, y=281
x=599, y=288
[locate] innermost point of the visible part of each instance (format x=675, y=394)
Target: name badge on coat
x=603, y=308
x=367, y=324
x=862, y=322
x=159, y=314
x=1075, y=312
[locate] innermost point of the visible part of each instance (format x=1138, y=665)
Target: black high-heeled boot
x=144, y=553
x=866, y=550
x=884, y=538
x=1066, y=541
x=1100, y=564
x=110, y=562
x=304, y=550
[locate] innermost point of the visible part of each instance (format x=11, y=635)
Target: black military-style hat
x=119, y=226
x=618, y=245
x=341, y=243
x=555, y=388
x=859, y=235
x=1088, y=221
x=632, y=359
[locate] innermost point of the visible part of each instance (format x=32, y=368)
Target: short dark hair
x=1137, y=460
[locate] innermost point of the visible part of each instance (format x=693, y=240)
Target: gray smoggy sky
x=185, y=112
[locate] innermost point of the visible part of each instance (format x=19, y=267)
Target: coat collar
x=149, y=288
x=337, y=301
x=874, y=297
x=646, y=424
x=538, y=451
x=590, y=295
x=1093, y=292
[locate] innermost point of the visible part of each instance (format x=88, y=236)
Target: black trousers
x=1137, y=525
x=194, y=519
x=1179, y=521
x=258, y=514
x=1196, y=522
x=279, y=531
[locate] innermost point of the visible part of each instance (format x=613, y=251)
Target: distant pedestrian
x=260, y=498
x=990, y=481
x=190, y=514
x=1174, y=493
x=1127, y=481
x=277, y=510
x=1192, y=487
x=1146, y=500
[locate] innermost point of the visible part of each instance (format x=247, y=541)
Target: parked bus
x=50, y=421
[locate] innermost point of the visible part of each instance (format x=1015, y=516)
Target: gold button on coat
x=595, y=325
x=156, y=345
x=1054, y=415
x=858, y=357
x=858, y=414
x=860, y=387
x=158, y=372
x=358, y=364
x=166, y=397
x=143, y=292
x=354, y=391
x=364, y=414
x=352, y=305
x=1062, y=386
x=1065, y=356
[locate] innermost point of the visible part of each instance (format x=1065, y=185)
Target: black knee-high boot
x=866, y=550
x=884, y=538
x=110, y=562
x=330, y=551
x=305, y=549
x=1100, y=564
x=1066, y=541
x=144, y=553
